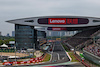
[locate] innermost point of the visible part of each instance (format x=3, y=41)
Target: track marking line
x=58, y=56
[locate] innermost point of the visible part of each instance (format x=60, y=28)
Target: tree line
x=5, y=40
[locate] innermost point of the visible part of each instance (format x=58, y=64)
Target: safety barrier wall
x=82, y=61
x=31, y=61
x=91, y=57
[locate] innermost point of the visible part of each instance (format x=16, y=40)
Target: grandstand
x=86, y=40
x=92, y=53
x=82, y=37
x=94, y=49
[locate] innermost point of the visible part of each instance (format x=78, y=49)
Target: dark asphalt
x=54, y=56
x=59, y=54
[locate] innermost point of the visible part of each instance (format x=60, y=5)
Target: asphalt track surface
x=58, y=56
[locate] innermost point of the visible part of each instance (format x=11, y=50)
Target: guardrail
x=82, y=61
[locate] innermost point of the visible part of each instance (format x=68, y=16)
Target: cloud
x=15, y=9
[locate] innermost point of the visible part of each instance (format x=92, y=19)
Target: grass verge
x=41, y=52
x=47, y=58
x=34, y=56
x=73, y=58
x=65, y=47
x=70, y=53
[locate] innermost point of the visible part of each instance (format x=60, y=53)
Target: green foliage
x=34, y=56
x=65, y=47
x=5, y=40
x=81, y=55
x=41, y=52
x=1, y=42
x=73, y=58
x=11, y=39
x=47, y=58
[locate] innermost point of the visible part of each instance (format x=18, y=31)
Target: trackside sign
x=57, y=28
x=57, y=21
x=63, y=21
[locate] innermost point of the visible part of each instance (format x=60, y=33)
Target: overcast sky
x=15, y=9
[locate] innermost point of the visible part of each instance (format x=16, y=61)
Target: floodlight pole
x=15, y=53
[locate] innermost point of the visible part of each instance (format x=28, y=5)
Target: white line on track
x=66, y=53
x=53, y=47
x=58, y=56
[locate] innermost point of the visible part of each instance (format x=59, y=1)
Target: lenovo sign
x=63, y=21
x=57, y=21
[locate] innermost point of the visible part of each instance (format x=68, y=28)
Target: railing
x=91, y=54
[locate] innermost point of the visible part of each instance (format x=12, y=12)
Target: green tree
x=6, y=41
x=12, y=39
x=1, y=42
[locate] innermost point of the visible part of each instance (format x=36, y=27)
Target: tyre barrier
x=31, y=61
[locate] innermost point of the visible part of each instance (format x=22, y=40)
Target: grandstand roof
x=58, y=21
